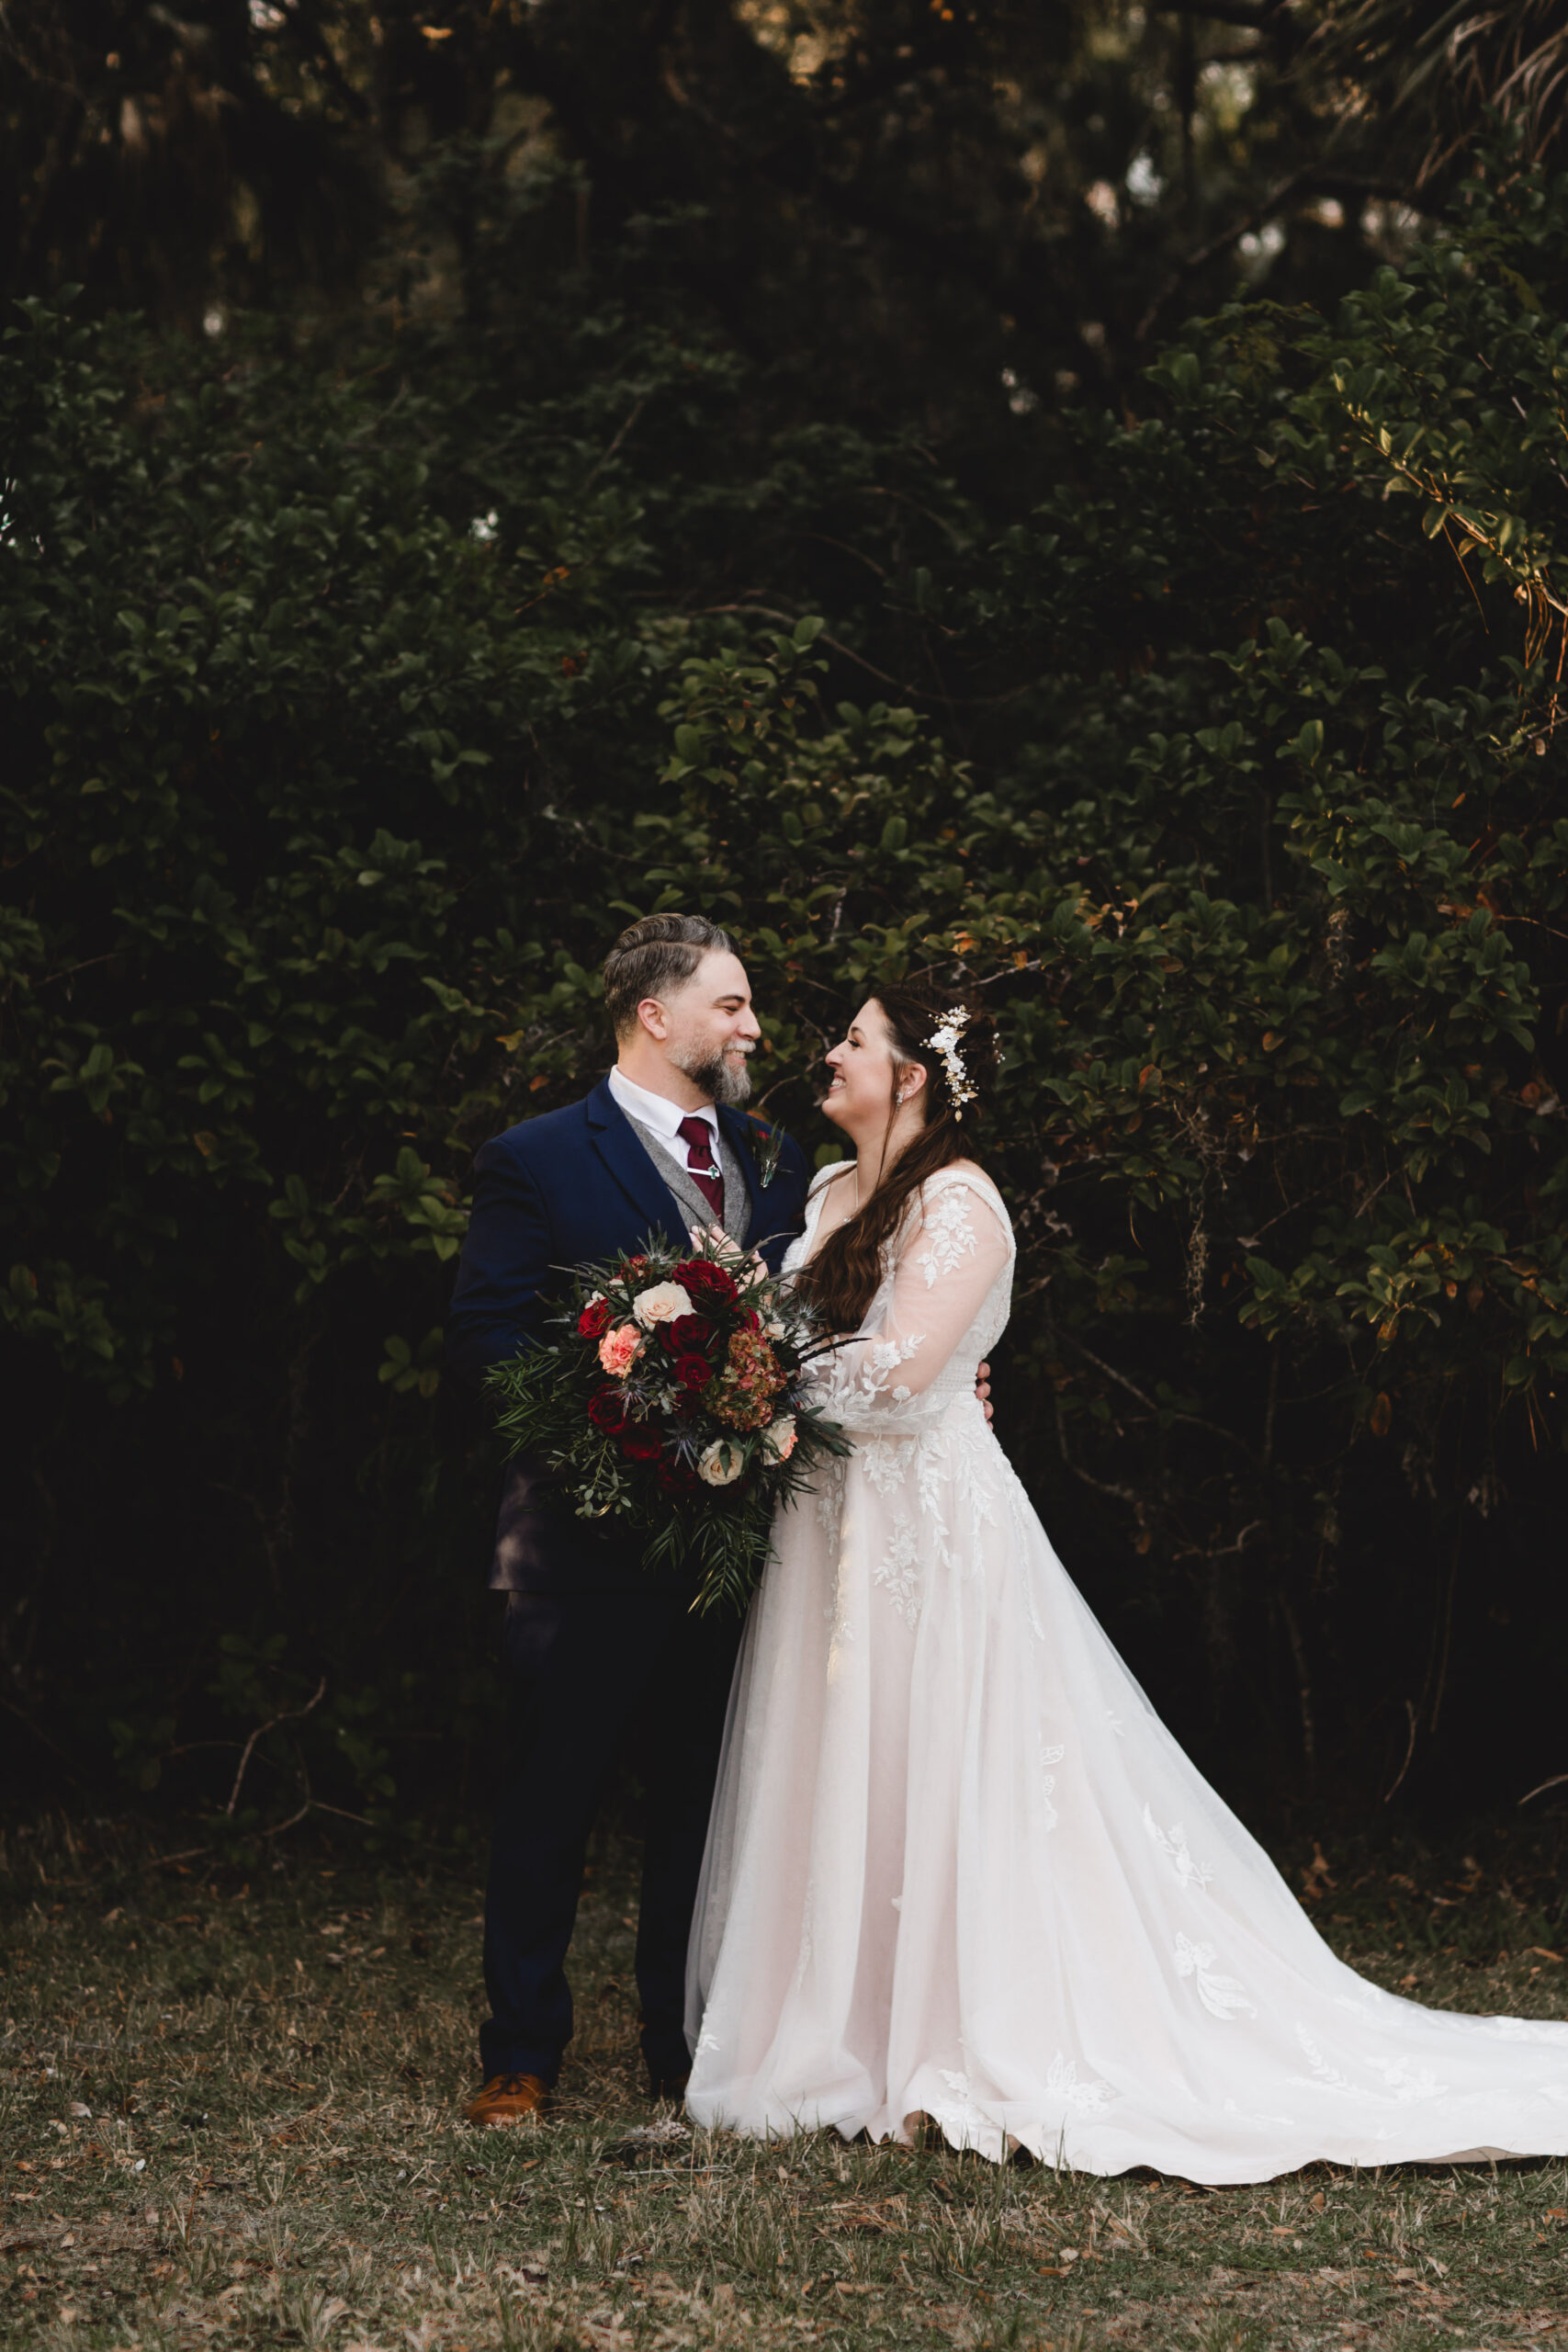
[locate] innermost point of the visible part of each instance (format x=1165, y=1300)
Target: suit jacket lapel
x=616, y=1140
x=736, y=1129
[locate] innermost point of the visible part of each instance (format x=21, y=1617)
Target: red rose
x=641, y=1446
x=676, y=1477
x=607, y=1410
x=688, y=1336
x=750, y=1320
x=595, y=1319
x=692, y=1371
x=701, y=1280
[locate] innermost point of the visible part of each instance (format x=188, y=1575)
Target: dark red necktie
x=697, y=1136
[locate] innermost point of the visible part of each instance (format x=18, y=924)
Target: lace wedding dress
x=957, y=1866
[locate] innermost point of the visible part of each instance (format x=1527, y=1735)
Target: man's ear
x=653, y=1017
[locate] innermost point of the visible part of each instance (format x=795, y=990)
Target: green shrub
x=344, y=738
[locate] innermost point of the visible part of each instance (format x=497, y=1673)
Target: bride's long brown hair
x=842, y=1279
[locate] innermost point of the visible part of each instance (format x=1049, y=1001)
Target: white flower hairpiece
x=943, y=1040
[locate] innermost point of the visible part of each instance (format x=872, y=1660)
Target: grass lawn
x=230, y=2114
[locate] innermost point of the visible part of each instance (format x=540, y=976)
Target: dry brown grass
x=230, y=2115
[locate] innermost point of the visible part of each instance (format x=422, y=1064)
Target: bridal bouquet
x=676, y=1399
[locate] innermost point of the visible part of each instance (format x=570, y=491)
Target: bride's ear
x=908, y=1079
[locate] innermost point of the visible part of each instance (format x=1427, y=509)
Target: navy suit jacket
x=549, y=1194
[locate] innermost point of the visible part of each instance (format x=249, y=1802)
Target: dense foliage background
x=1070, y=496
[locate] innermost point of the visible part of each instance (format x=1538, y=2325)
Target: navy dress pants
x=584, y=1669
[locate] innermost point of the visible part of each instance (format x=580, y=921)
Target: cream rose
x=660, y=1303
x=721, y=1463
x=779, y=1437
x=618, y=1348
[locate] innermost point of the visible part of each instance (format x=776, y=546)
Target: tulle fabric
x=957, y=1867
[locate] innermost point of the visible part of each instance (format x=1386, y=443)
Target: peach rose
x=779, y=1437
x=617, y=1349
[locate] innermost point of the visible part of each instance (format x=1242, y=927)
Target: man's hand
x=983, y=1387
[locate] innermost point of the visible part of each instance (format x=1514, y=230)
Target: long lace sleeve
x=905, y=1366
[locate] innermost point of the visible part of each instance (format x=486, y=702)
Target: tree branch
x=1311, y=180
x=1170, y=1412
x=1100, y=1486
x=290, y=1715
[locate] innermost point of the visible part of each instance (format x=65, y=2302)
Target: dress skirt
x=958, y=1869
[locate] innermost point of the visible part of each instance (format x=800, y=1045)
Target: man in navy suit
x=590, y=1634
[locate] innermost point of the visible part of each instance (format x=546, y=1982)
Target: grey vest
x=670, y=1159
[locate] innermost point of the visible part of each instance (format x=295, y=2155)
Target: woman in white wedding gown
x=957, y=1868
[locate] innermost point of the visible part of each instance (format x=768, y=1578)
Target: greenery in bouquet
x=678, y=1397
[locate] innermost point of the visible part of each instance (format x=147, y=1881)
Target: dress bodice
x=941, y=1306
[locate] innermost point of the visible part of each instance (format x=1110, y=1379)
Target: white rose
x=662, y=1303
x=720, y=1463
x=779, y=1437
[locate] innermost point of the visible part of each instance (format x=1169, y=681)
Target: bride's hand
x=983, y=1388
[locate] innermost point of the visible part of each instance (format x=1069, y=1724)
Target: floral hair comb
x=943, y=1041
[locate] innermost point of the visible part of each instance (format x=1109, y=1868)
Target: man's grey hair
x=655, y=957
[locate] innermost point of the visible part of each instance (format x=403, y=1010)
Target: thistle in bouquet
x=677, y=1401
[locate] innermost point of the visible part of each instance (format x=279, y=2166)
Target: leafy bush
x=352, y=714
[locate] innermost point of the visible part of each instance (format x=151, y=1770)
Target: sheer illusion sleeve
x=890, y=1377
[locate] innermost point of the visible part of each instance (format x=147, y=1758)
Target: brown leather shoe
x=510, y=2098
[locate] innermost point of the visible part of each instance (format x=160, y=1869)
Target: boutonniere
x=764, y=1143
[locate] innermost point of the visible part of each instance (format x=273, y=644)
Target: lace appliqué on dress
x=1402, y=2083
x=883, y=1357
x=806, y=1952
x=1405, y=2082
x=829, y=1495
x=1172, y=1843
x=840, y=1625
x=965, y=2123
x=885, y=1460
x=899, y=1571
x=1049, y=1756
x=972, y=1466
x=1553, y=2032
x=1223, y=1997
x=948, y=1233
x=1086, y=2098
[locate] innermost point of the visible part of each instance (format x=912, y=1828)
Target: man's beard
x=716, y=1077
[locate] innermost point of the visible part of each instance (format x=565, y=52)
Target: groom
x=589, y=1636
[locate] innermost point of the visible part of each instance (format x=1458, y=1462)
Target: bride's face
x=860, y=1092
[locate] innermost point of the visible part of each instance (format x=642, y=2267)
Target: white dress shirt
x=659, y=1116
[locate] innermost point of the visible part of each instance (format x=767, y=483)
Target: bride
x=956, y=1867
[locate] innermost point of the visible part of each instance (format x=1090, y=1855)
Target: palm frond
x=1436, y=71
